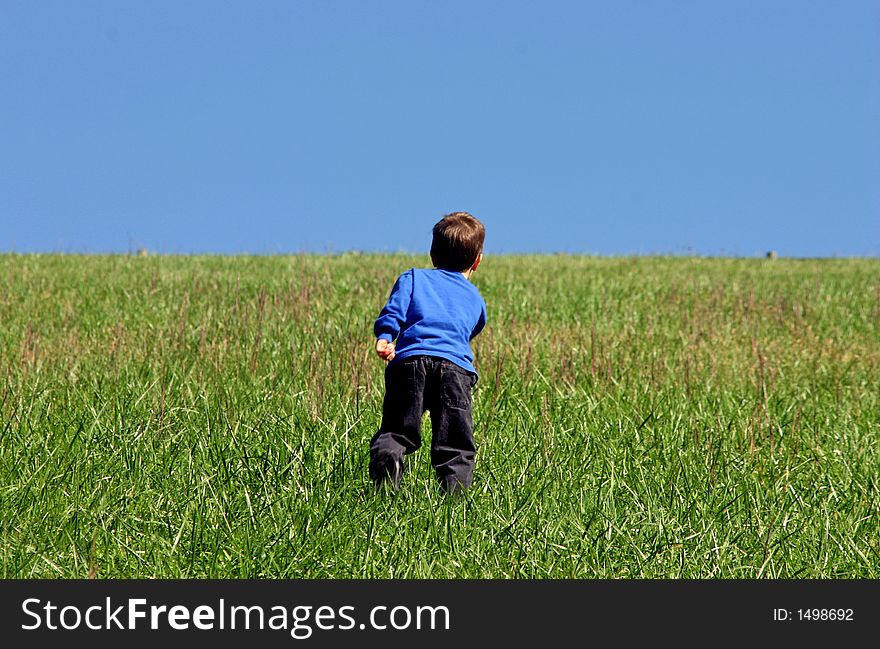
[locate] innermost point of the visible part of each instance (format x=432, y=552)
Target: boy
x=432, y=315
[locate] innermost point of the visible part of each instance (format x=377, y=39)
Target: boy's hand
x=385, y=350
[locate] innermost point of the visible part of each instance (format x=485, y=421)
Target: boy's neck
x=466, y=273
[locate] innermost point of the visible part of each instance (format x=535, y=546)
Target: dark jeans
x=412, y=386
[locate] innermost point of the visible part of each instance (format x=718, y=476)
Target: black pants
x=412, y=386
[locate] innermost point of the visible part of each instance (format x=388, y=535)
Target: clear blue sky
x=598, y=127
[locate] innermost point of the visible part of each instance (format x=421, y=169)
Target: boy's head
x=458, y=242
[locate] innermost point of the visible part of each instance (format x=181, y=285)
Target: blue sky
x=715, y=128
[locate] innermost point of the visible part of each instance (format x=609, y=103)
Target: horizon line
x=144, y=253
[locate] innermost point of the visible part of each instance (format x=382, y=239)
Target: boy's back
x=433, y=312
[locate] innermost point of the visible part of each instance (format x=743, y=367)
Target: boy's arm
x=393, y=314
x=481, y=322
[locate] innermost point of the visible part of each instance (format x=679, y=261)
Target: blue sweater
x=433, y=313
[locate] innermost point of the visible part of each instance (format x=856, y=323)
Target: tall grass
x=635, y=417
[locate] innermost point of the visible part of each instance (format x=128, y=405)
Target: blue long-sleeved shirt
x=433, y=312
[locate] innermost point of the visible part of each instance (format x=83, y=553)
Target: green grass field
x=635, y=417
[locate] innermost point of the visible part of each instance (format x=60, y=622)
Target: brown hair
x=458, y=241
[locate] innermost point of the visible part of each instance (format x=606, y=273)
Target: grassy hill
x=635, y=417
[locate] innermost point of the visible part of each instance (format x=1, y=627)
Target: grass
x=635, y=417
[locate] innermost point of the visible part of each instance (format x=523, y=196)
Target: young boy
x=432, y=315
